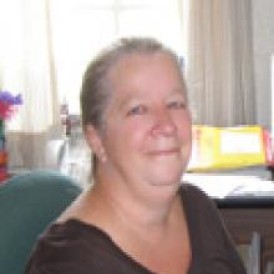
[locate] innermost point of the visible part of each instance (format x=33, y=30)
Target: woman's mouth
x=165, y=152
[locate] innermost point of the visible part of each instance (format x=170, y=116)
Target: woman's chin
x=166, y=178
x=171, y=171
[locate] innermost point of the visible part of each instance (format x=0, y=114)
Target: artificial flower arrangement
x=8, y=103
x=8, y=106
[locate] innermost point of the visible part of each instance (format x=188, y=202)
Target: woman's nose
x=163, y=123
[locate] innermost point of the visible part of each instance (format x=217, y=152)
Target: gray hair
x=95, y=93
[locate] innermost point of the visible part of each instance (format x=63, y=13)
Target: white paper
x=239, y=142
x=221, y=186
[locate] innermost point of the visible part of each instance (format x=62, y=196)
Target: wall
x=263, y=39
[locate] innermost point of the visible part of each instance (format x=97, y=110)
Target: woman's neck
x=150, y=208
x=145, y=233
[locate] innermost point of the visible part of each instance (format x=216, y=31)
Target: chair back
x=28, y=204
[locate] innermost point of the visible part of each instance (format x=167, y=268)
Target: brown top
x=78, y=248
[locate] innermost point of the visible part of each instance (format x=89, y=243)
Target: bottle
x=65, y=117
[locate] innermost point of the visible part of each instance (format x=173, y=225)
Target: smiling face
x=146, y=137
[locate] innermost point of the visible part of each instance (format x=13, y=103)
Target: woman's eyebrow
x=130, y=99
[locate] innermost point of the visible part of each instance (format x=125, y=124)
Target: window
x=81, y=28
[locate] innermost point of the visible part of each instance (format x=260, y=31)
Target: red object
x=3, y=165
x=268, y=148
x=6, y=110
x=3, y=158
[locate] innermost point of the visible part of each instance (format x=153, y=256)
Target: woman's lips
x=164, y=152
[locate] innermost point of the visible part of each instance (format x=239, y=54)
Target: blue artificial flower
x=8, y=98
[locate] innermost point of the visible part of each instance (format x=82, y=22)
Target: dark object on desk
x=28, y=203
x=271, y=170
x=246, y=202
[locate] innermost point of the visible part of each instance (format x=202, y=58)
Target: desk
x=243, y=216
x=246, y=203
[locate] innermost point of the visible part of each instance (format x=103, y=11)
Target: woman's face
x=147, y=132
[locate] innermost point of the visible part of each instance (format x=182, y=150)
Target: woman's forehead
x=142, y=67
x=137, y=76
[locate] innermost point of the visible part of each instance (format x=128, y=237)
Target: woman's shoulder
x=78, y=247
x=193, y=192
x=72, y=244
x=197, y=202
x=75, y=233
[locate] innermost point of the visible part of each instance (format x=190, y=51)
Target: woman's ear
x=94, y=140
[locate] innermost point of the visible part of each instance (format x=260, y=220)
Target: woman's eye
x=137, y=110
x=177, y=105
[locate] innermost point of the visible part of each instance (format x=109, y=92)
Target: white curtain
x=27, y=67
x=219, y=70
x=220, y=62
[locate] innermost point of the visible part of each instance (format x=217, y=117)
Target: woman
x=137, y=218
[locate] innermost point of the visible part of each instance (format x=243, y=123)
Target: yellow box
x=216, y=148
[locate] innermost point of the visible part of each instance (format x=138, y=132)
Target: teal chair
x=28, y=204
